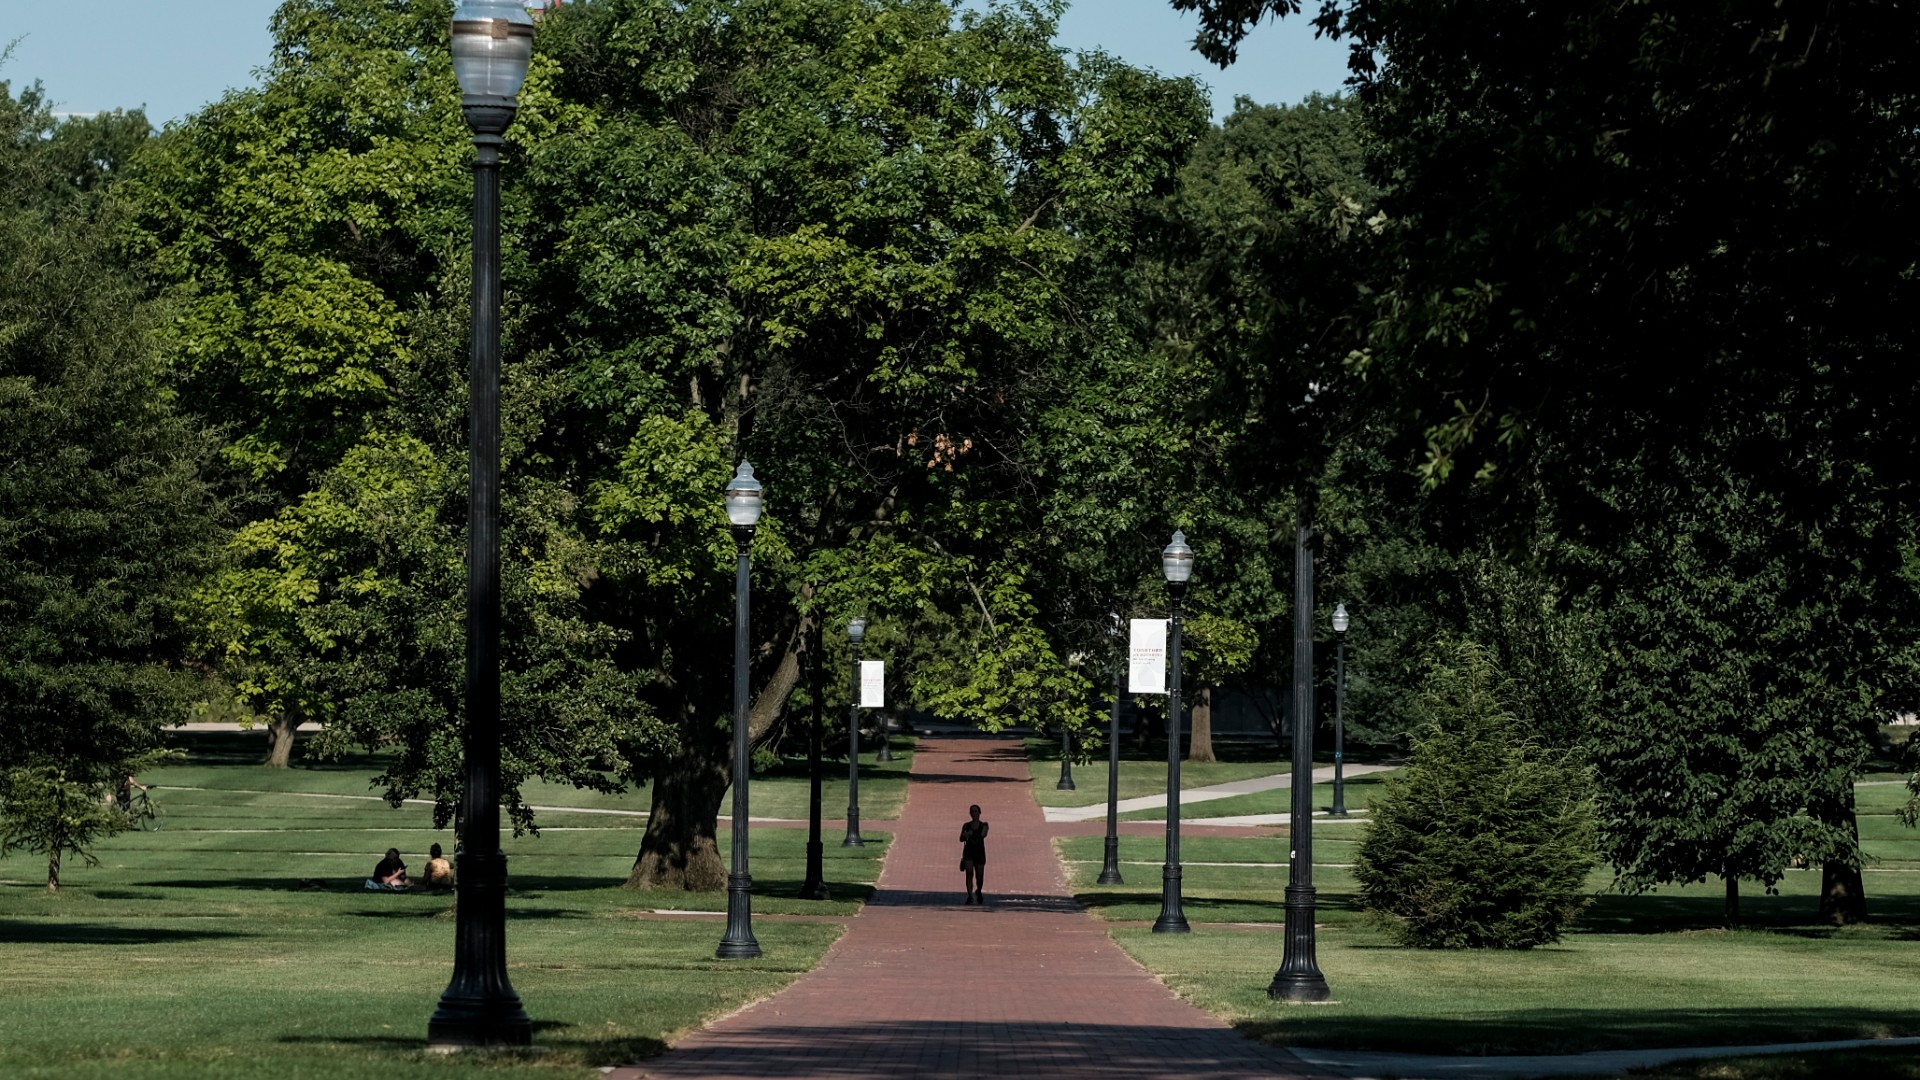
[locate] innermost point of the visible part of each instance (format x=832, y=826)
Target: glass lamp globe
x=492, y=46
x=743, y=498
x=857, y=629
x=1176, y=560
x=1340, y=618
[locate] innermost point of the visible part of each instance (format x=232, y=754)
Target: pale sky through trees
x=173, y=56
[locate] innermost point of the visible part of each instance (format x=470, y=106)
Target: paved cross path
x=922, y=985
x=1189, y=796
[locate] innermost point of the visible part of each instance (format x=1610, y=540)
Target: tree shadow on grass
x=515, y=913
x=48, y=932
x=295, y=885
x=548, y=1035
x=249, y=748
x=1575, y=1031
x=519, y=885
x=1215, y=909
x=789, y=889
x=1661, y=913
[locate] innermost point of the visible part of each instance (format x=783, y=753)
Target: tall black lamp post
x=856, y=630
x=743, y=511
x=1065, y=783
x=815, y=886
x=492, y=44
x=1110, y=869
x=1176, y=562
x=1299, y=977
x=1339, y=710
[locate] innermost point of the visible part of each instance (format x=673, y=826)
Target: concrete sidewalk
x=1188, y=796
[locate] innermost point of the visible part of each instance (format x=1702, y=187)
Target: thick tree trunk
x=280, y=733
x=680, y=849
x=1843, y=889
x=1843, y=894
x=1201, y=717
x=1732, y=912
x=53, y=869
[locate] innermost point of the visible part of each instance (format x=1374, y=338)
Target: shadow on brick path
x=968, y=1049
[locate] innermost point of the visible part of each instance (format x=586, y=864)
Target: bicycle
x=146, y=814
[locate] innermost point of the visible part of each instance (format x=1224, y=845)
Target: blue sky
x=173, y=56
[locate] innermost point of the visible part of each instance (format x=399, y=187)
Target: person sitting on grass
x=390, y=873
x=439, y=870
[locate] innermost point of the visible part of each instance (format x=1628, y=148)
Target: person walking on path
x=973, y=857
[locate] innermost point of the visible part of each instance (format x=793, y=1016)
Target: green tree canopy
x=1648, y=271
x=106, y=515
x=844, y=239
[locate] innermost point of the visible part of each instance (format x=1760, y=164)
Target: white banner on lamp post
x=1147, y=657
x=873, y=684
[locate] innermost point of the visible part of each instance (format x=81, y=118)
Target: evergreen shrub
x=1485, y=840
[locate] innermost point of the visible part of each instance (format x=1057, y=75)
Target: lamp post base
x=853, y=829
x=814, y=888
x=1110, y=871
x=479, y=1022
x=1299, y=977
x=1305, y=988
x=479, y=1007
x=739, y=943
x=1172, y=920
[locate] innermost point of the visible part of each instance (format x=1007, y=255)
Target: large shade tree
x=107, y=519
x=310, y=236
x=846, y=241
x=1653, y=264
x=841, y=238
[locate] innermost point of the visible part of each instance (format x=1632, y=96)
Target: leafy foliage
x=1715, y=756
x=104, y=515
x=1640, y=285
x=45, y=811
x=106, y=518
x=841, y=238
x=302, y=231
x=1485, y=840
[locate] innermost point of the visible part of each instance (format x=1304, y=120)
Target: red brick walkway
x=923, y=986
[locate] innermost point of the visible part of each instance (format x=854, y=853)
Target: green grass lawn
x=1143, y=773
x=1360, y=792
x=1639, y=971
x=1592, y=992
x=1278, y=801
x=195, y=951
x=780, y=792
